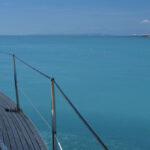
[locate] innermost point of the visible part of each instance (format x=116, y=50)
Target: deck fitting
x=13, y=110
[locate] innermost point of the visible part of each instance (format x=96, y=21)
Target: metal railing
x=53, y=114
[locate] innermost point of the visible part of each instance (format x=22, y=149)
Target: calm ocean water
x=106, y=78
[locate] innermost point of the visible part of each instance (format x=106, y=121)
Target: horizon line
x=67, y=34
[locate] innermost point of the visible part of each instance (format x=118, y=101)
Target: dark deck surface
x=16, y=130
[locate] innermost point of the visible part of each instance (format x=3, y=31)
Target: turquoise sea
x=106, y=77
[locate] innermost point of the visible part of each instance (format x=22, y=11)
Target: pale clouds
x=145, y=21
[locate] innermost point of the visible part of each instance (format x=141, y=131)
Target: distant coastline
x=141, y=35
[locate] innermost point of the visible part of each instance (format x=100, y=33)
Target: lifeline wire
x=81, y=117
x=5, y=53
x=37, y=111
x=43, y=74
x=70, y=103
x=41, y=116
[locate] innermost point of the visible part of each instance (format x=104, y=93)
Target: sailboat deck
x=16, y=130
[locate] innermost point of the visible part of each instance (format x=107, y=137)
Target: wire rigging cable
x=36, y=110
x=5, y=53
x=45, y=75
x=41, y=116
x=81, y=117
x=68, y=100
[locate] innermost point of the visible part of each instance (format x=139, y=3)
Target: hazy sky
x=119, y=17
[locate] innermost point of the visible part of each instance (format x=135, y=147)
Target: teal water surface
x=106, y=78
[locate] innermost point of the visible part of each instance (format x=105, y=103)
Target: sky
x=104, y=17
